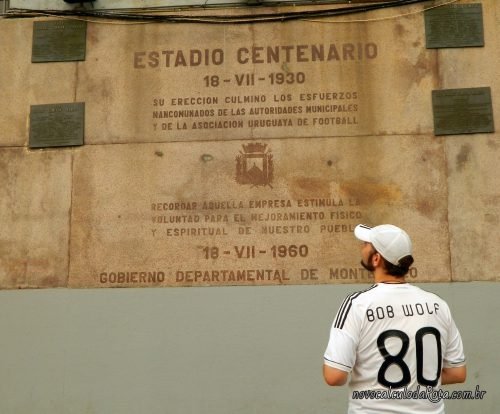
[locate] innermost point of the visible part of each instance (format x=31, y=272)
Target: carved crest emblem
x=254, y=165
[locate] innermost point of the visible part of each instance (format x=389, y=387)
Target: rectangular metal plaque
x=59, y=41
x=462, y=111
x=459, y=25
x=57, y=125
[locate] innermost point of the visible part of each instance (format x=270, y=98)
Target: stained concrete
x=342, y=110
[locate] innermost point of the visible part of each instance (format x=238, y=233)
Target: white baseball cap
x=390, y=241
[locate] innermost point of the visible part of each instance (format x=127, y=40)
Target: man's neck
x=381, y=277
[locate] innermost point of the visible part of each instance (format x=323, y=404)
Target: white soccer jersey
x=395, y=338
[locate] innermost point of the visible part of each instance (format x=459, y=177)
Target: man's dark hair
x=401, y=269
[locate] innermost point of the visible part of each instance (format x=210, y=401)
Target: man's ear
x=376, y=259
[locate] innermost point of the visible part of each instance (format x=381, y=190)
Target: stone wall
x=244, y=154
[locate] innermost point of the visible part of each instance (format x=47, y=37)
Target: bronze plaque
x=462, y=111
x=59, y=41
x=459, y=25
x=57, y=125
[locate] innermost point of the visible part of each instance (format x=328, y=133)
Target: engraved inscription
x=277, y=89
x=313, y=109
x=257, y=54
x=284, y=228
x=218, y=234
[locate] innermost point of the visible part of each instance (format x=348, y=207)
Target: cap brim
x=363, y=233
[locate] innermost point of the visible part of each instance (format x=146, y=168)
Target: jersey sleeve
x=454, y=354
x=344, y=337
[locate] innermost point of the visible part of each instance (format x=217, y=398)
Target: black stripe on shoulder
x=343, y=307
x=346, y=303
x=346, y=307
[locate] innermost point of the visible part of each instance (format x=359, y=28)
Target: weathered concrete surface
x=125, y=197
x=35, y=202
x=474, y=207
x=24, y=84
x=474, y=194
x=344, y=109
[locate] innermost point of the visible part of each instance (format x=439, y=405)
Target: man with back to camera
x=393, y=336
